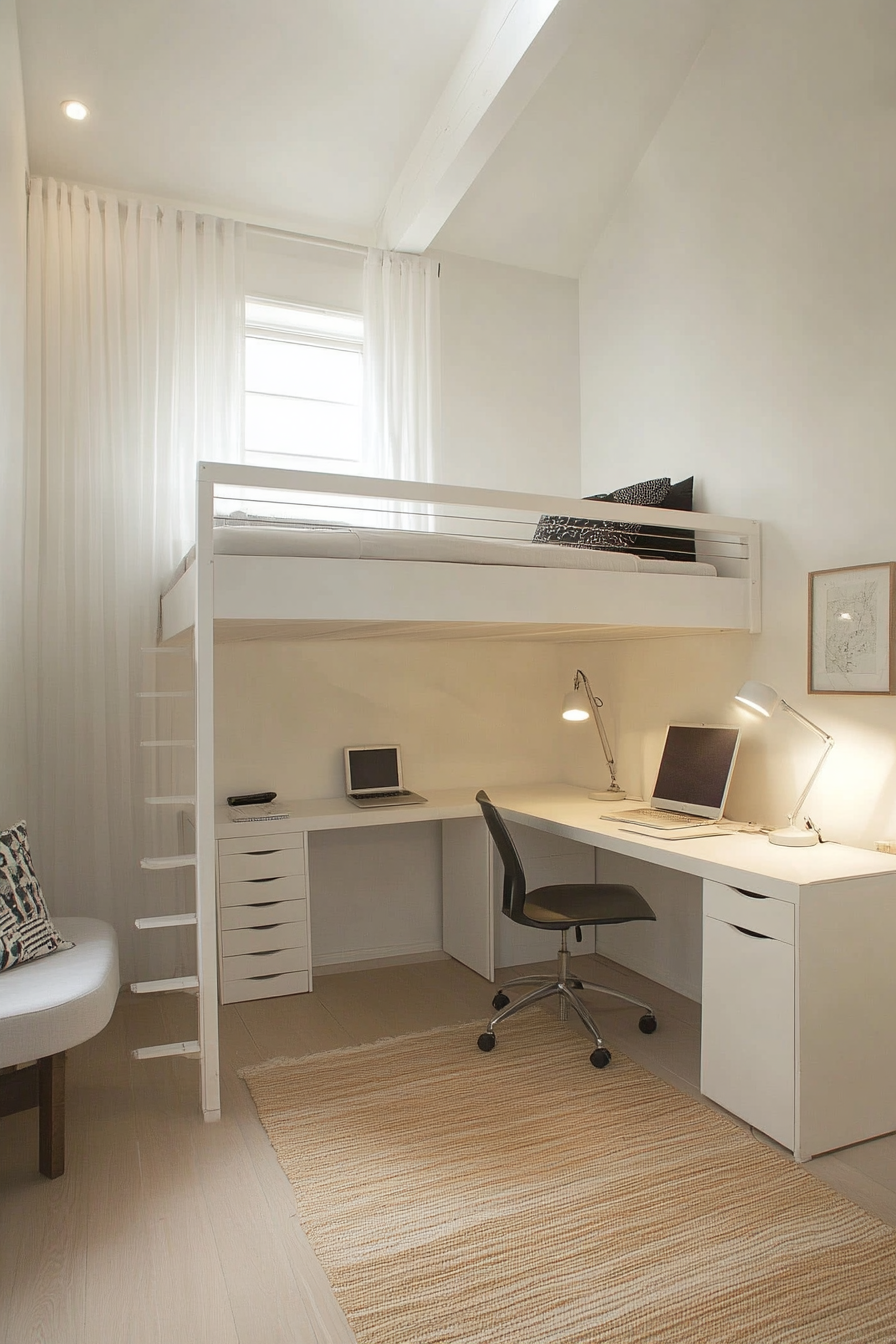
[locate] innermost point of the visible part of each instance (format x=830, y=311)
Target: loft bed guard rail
x=505, y=582
x=315, y=548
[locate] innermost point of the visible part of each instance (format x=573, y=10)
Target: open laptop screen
x=372, y=769
x=695, y=769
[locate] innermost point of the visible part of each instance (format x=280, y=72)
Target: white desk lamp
x=579, y=705
x=756, y=695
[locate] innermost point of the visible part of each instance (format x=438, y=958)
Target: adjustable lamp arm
x=595, y=704
x=828, y=743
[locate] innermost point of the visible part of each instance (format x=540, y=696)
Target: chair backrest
x=514, y=897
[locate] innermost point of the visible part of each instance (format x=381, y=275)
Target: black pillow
x=670, y=543
x=600, y=535
x=651, y=543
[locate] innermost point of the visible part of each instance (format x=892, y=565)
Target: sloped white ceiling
x=547, y=191
x=302, y=113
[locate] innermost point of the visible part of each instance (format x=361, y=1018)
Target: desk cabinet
x=799, y=1001
x=748, y=1043
x=263, y=917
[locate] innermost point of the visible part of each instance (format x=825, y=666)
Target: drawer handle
x=273, y=976
x=262, y=928
x=753, y=895
x=260, y=905
x=751, y=933
x=256, y=880
x=262, y=851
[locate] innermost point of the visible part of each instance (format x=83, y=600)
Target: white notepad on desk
x=257, y=812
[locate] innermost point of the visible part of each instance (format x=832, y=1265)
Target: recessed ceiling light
x=77, y=111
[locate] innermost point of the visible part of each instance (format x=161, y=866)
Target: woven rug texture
x=524, y=1197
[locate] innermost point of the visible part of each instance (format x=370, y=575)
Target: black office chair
x=571, y=905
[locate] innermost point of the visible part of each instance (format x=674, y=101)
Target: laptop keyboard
x=389, y=793
x=661, y=816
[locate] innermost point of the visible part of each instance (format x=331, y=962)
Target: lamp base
x=609, y=795
x=796, y=836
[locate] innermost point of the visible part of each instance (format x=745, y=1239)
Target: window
x=303, y=387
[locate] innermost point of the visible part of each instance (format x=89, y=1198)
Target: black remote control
x=248, y=799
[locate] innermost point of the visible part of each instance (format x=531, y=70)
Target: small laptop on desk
x=692, y=781
x=373, y=778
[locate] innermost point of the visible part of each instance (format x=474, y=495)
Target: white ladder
x=204, y=982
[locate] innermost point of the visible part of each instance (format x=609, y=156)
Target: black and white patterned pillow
x=592, y=535
x=26, y=931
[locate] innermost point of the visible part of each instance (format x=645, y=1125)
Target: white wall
x=738, y=320
x=13, y=171
x=510, y=378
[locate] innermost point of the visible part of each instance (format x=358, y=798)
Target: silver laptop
x=373, y=778
x=692, y=781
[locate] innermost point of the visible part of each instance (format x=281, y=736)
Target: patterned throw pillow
x=603, y=536
x=25, y=928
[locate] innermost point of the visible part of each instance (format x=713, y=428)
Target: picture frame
x=852, y=625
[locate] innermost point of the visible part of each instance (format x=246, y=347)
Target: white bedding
x=386, y=544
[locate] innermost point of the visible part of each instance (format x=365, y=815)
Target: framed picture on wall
x=851, y=630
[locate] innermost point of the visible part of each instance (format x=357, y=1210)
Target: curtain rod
x=103, y=193
x=306, y=238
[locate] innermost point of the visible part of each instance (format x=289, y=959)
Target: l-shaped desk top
x=739, y=859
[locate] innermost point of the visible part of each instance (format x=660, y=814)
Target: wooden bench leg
x=51, y=1086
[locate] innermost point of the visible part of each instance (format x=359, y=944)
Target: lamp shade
x=576, y=707
x=756, y=695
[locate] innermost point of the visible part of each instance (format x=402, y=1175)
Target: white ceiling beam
x=513, y=49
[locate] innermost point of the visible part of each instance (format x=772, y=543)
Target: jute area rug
x=524, y=1197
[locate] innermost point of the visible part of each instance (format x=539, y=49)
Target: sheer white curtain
x=401, y=411
x=135, y=350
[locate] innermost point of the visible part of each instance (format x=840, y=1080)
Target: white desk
x=799, y=994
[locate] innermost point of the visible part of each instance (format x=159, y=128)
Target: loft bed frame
x=233, y=596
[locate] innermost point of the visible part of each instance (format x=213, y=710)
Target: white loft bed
x=455, y=562
x=462, y=562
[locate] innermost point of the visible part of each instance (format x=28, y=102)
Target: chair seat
x=571, y=903
x=49, y=1005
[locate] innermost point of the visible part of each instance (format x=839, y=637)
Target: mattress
x=370, y=543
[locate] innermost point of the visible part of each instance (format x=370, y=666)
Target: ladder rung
x=164, y=695
x=173, y=798
x=165, y=986
x=164, y=921
x=176, y=1048
x=174, y=861
x=170, y=742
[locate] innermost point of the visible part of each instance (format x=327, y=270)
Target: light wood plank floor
x=165, y=1230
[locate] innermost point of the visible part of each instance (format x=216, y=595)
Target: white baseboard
x=332, y=962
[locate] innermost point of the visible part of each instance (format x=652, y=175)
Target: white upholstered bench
x=47, y=1006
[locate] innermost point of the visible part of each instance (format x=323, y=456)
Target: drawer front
x=268, y=862
x=270, y=939
x=759, y=914
x=265, y=963
x=264, y=987
x=252, y=844
x=747, y=1052
x=262, y=916
x=253, y=892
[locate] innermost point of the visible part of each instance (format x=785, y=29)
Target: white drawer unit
x=263, y=919
x=747, y=1055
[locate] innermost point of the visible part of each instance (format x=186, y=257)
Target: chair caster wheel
x=487, y=1041
x=500, y=1000
x=600, y=1058
x=647, y=1023
x=576, y=984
